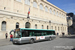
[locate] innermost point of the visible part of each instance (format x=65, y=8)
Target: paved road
x=4, y=42
x=63, y=43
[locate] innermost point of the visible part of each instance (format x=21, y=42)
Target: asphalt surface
x=4, y=42
x=60, y=43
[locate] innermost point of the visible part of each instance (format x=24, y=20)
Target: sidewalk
x=4, y=42
x=66, y=36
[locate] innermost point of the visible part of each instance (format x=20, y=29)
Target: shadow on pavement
x=33, y=43
x=20, y=44
x=71, y=37
x=73, y=49
x=30, y=43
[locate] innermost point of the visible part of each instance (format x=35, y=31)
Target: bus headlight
x=19, y=39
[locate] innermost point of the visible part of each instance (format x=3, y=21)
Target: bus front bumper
x=16, y=41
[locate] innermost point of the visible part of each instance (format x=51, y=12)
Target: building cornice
x=54, y=6
x=3, y=12
x=7, y=13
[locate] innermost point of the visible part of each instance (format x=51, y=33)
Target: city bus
x=24, y=35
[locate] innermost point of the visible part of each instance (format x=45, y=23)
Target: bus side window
x=44, y=34
x=26, y=33
x=53, y=32
x=30, y=33
x=23, y=34
x=40, y=34
x=47, y=33
x=33, y=34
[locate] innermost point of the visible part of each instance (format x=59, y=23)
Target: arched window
x=17, y=25
x=61, y=28
x=65, y=28
x=18, y=0
x=42, y=26
x=41, y=6
x=58, y=29
x=46, y=9
x=27, y=25
x=35, y=26
x=57, y=13
x=47, y=27
x=54, y=12
x=55, y=28
x=35, y=4
x=50, y=10
x=3, y=27
x=62, y=15
x=27, y=2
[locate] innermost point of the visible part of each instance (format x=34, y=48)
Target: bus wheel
x=50, y=39
x=31, y=41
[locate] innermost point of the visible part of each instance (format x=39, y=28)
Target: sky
x=66, y=5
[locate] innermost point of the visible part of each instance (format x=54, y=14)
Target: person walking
x=63, y=33
x=6, y=35
x=11, y=37
x=57, y=33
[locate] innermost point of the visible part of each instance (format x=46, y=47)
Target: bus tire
x=31, y=41
x=50, y=39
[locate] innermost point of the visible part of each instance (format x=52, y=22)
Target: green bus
x=24, y=35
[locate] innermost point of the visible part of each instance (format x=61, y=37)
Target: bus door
x=25, y=35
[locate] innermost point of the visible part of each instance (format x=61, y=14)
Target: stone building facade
x=43, y=15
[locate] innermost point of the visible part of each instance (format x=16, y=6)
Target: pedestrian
x=6, y=35
x=63, y=33
x=11, y=37
x=57, y=33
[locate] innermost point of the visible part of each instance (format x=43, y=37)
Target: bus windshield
x=17, y=34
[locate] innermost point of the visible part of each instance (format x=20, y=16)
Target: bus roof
x=36, y=29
